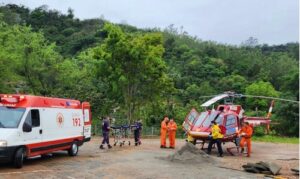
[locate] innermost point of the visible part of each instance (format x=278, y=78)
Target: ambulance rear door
x=87, y=119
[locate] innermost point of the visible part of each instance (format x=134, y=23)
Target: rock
x=261, y=167
x=250, y=164
x=257, y=166
x=274, y=168
x=251, y=169
x=295, y=170
x=264, y=164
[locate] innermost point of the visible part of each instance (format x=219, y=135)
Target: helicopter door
x=189, y=120
x=231, y=124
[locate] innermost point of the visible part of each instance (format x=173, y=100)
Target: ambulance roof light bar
x=11, y=99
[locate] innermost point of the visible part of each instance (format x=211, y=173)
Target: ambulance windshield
x=10, y=117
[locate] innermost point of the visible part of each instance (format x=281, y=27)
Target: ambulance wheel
x=19, y=158
x=74, y=149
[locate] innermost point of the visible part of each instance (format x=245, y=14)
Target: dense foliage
x=135, y=73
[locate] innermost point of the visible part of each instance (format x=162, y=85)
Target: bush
x=259, y=131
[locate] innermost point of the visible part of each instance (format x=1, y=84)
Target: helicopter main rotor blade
x=215, y=99
x=207, y=96
x=266, y=97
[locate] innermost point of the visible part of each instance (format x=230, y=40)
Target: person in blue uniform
x=137, y=132
x=105, y=132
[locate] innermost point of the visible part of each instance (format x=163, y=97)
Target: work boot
x=109, y=146
x=101, y=147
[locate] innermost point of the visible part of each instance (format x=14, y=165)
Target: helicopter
x=228, y=116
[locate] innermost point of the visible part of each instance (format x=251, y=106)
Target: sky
x=222, y=21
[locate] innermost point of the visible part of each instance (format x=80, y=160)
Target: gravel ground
x=149, y=161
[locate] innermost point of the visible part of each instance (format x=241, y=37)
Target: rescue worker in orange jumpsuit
x=172, y=127
x=246, y=134
x=163, y=132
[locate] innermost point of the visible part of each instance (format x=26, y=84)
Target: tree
x=288, y=113
x=250, y=42
x=236, y=83
x=133, y=65
x=27, y=60
x=260, y=89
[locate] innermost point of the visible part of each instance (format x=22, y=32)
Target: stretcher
x=121, y=135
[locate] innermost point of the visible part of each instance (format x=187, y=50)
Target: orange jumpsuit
x=246, y=138
x=163, y=133
x=172, y=126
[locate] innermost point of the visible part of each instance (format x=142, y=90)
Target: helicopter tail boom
x=257, y=121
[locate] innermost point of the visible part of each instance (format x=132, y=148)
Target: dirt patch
x=145, y=161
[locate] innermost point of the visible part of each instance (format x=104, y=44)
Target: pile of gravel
x=190, y=153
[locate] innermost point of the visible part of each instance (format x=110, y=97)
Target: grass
x=276, y=139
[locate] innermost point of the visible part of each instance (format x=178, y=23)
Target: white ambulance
x=35, y=125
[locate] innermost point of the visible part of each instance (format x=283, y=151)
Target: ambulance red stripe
x=50, y=146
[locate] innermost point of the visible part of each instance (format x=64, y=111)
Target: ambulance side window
x=35, y=117
x=86, y=115
x=28, y=119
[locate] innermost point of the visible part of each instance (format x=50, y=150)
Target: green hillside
x=141, y=73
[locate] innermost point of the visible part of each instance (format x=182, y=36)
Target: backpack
x=223, y=129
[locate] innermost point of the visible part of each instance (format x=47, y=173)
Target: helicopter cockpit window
x=210, y=118
x=201, y=117
x=192, y=117
x=186, y=126
x=213, y=115
x=230, y=124
x=230, y=120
